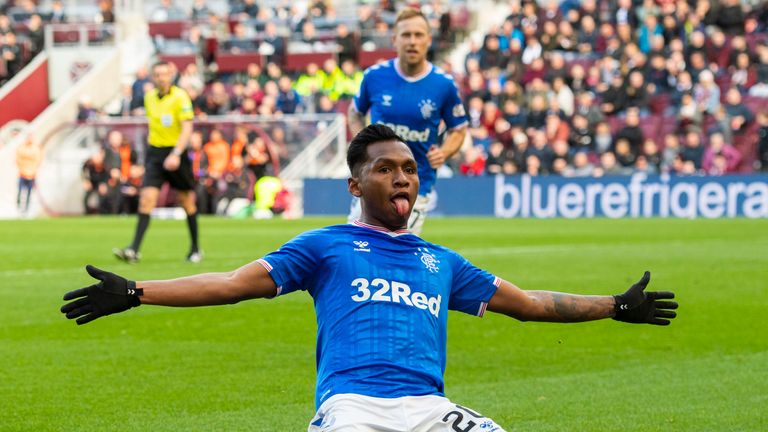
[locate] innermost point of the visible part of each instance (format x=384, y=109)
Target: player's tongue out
x=401, y=204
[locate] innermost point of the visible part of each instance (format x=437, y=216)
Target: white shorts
x=423, y=204
x=357, y=413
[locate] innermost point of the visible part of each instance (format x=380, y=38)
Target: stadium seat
x=168, y=29
x=230, y=62
x=370, y=58
x=299, y=61
x=180, y=60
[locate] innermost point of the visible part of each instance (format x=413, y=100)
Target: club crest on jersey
x=427, y=107
x=428, y=259
x=362, y=246
x=386, y=100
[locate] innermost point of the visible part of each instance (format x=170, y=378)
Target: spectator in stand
x=257, y=157
x=473, y=163
x=498, y=155
x=217, y=152
x=106, y=13
x=245, y=10
x=241, y=41
x=762, y=141
x=581, y=137
x=614, y=98
x=563, y=95
x=556, y=129
x=200, y=11
x=624, y=155
x=199, y=163
x=232, y=186
x=536, y=117
x=310, y=82
x=58, y=15
x=239, y=141
x=632, y=131
x=720, y=157
x=585, y=105
x=730, y=17
x=129, y=190
x=581, y=166
x=671, y=151
x=651, y=154
x=544, y=154
x=29, y=156
x=12, y=55
x=288, y=100
x=689, y=113
x=86, y=110
x=191, y=79
x=167, y=11
x=491, y=57
x=707, y=93
x=36, y=35
x=119, y=155
x=636, y=92
x=347, y=83
x=139, y=87
x=100, y=185
x=347, y=44
x=217, y=102
x=608, y=166
x=693, y=148
x=647, y=31
x=740, y=115
x=760, y=88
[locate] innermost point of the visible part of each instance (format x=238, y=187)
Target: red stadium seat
x=229, y=62
x=299, y=61
x=370, y=58
x=181, y=61
x=168, y=29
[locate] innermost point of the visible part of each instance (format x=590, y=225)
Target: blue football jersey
x=413, y=108
x=381, y=301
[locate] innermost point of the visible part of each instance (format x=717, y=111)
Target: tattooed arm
x=549, y=306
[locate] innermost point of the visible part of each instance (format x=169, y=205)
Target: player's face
x=387, y=185
x=161, y=75
x=412, y=39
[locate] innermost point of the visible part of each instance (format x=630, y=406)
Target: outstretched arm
x=634, y=306
x=113, y=293
x=209, y=289
x=549, y=305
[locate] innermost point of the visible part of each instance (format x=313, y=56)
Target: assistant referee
x=169, y=114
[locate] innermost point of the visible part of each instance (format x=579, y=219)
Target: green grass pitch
x=250, y=366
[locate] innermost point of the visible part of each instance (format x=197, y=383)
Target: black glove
x=112, y=294
x=638, y=306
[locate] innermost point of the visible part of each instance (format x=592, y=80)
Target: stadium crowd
x=596, y=87
x=586, y=88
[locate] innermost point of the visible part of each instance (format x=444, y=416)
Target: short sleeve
x=362, y=99
x=294, y=263
x=453, y=111
x=185, y=106
x=472, y=287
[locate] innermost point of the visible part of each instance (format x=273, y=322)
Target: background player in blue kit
x=381, y=298
x=412, y=96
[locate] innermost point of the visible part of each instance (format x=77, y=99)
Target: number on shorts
x=456, y=425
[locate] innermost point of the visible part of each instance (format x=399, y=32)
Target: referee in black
x=169, y=114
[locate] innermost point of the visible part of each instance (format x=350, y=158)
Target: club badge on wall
x=78, y=70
